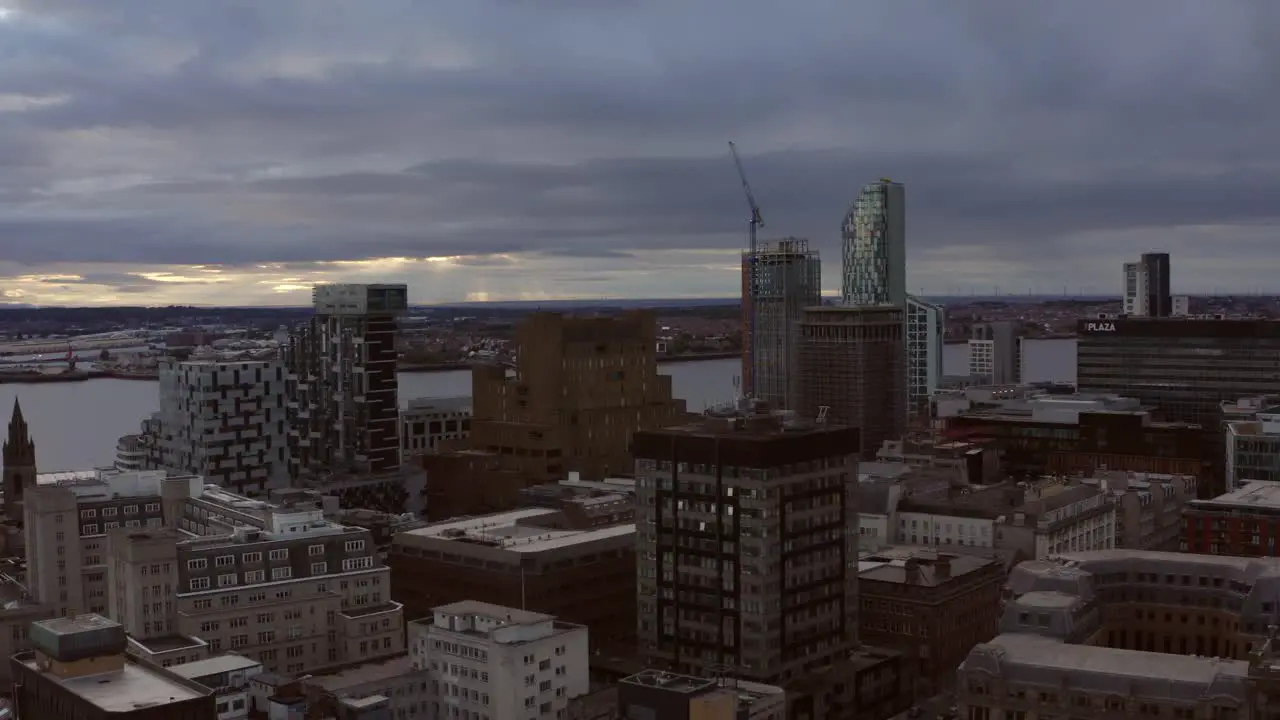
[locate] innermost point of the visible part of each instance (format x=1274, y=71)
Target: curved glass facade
x=874, y=247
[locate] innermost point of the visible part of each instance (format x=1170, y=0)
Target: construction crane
x=753, y=225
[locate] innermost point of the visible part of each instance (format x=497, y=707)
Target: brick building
x=533, y=559
x=1244, y=522
x=934, y=607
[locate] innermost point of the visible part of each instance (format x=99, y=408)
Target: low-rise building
x=672, y=696
x=932, y=606
x=1253, y=444
x=229, y=676
x=1148, y=507
x=428, y=422
x=79, y=669
x=1242, y=522
x=395, y=679
x=485, y=660
x=526, y=558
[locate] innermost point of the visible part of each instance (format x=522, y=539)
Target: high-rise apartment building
x=784, y=278
x=746, y=545
x=80, y=669
x=995, y=353
x=341, y=382
x=874, y=246
x=1146, y=287
x=224, y=421
x=499, y=662
x=582, y=386
x=852, y=371
x=926, y=328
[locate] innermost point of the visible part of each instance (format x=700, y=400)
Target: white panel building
x=225, y=421
x=499, y=663
x=430, y=420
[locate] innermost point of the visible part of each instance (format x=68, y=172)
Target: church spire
x=19, y=450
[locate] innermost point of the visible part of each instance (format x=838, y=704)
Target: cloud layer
x=188, y=151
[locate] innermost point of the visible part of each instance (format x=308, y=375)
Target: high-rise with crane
x=779, y=280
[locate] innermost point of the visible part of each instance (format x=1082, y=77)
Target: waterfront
x=75, y=425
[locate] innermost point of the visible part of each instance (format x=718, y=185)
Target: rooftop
x=1255, y=494
x=353, y=676
x=917, y=566
x=490, y=611
x=132, y=688
x=215, y=665
x=1039, y=651
x=505, y=531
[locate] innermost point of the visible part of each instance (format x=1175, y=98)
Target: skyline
x=189, y=154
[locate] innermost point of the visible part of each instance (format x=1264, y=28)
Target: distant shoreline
x=37, y=378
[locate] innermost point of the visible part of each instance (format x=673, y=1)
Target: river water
x=75, y=425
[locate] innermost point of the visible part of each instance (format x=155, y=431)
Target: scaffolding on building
x=783, y=278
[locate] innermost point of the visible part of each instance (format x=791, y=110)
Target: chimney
x=912, y=569
x=942, y=567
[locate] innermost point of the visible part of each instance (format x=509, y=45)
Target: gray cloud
x=299, y=131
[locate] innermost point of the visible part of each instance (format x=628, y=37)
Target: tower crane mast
x=755, y=222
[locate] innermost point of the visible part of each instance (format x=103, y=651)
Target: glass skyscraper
x=874, y=247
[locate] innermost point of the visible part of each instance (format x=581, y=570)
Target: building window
x=200, y=583
x=87, y=514
x=281, y=573
x=319, y=568
x=254, y=576
x=360, y=563
x=130, y=509
x=253, y=557
x=280, y=554
x=153, y=507
x=354, y=545
x=108, y=512
x=227, y=580
x=89, y=530
x=225, y=561
x=198, y=564
x=314, y=550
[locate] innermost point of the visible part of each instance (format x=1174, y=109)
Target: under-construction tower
x=784, y=279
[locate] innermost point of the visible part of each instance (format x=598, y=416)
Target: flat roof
x=1040, y=651
x=1255, y=494
x=133, y=688
x=508, y=615
x=373, y=671
x=502, y=531
x=215, y=665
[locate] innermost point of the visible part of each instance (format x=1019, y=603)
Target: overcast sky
x=237, y=151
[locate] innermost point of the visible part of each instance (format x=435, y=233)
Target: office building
x=1243, y=522
x=926, y=328
x=340, y=373
x=851, y=361
x=535, y=558
x=747, y=535
x=1148, y=633
x=79, y=668
x=275, y=582
x=1183, y=368
x=1146, y=287
x=224, y=421
x=1148, y=507
x=785, y=278
x=995, y=353
x=672, y=696
x=1039, y=432
x=486, y=660
x=932, y=606
x=874, y=247
x=1036, y=519
x=428, y=424
x=581, y=387
x=1253, y=446
x=186, y=566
